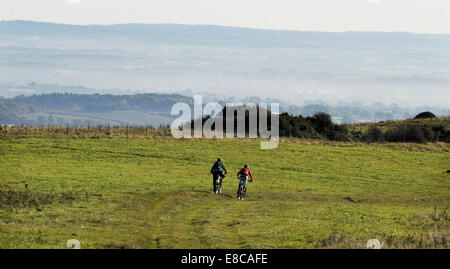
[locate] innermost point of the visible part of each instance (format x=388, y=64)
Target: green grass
x=119, y=193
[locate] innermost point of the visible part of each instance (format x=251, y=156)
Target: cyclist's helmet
x=245, y=166
x=219, y=160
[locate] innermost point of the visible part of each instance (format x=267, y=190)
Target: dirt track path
x=191, y=218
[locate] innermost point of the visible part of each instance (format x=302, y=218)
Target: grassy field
x=137, y=193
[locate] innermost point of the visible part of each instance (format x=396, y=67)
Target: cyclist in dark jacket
x=217, y=170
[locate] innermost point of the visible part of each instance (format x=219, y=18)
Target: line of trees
x=318, y=126
x=321, y=126
x=80, y=132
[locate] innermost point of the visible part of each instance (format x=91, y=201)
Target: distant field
x=137, y=193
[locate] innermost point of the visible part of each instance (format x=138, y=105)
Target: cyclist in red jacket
x=245, y=173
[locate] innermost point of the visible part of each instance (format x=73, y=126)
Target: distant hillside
x=83, y=109
x=154, y=109
x=10, y=112
x=197, y=34
x=102, y=102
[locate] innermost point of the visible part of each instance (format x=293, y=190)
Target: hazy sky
x=420, y=16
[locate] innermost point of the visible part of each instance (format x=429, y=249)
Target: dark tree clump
x=425, y=115
x=374, y=134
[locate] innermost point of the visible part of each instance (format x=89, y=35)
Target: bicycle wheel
x=240, y=189
x=218, y=185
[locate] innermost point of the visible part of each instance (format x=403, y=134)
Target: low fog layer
x=297, y=67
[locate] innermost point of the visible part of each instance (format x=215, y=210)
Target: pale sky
x=418, y=16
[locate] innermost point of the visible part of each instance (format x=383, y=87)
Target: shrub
x=374, y=134
x=429, y=134
x=338, y=133
x=321, y=122
x=405, y=133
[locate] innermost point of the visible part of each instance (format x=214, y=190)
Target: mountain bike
x=242, y=190
x=219, y=184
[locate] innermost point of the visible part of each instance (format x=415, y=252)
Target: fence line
x=98, y=131
x=147, y=132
